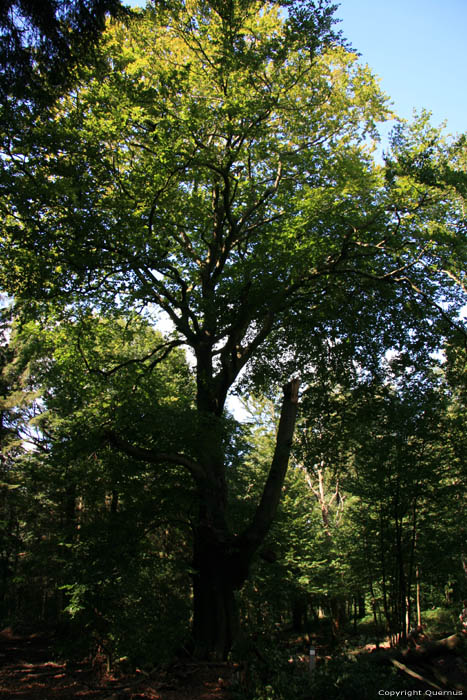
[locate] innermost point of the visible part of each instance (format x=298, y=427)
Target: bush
x=344, y=678
x=270, y=672
x=270, y=675
x=440, y=622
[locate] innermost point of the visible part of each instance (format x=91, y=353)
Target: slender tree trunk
x=338, y=615
x=464, y=563
x=361, y=605
x=374, y=610
x=419, y=608
x=401, y=595
x=383, y=571
x=410, y=575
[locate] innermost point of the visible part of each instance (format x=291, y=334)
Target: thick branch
x=152, y=457
x=255, y=533
x=234, y=356
x=159, y=294
x=164, y=349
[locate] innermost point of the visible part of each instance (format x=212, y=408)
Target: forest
x=233, y=359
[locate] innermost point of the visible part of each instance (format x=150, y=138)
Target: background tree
x=97, y=530
x=43, y=43
x=386, y=440
x=456, y=381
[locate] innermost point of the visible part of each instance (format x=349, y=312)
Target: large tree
x=217, y=165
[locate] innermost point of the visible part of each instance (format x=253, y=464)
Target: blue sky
x=418, y=48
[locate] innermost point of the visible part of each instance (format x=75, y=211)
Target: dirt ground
x=29, y=671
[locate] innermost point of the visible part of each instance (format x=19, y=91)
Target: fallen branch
x=414, y=674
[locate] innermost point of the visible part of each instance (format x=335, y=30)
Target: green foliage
x=42, y=46
x=440, y=622
x=378, y=469
x=131, y=598
x=272, y=671
x=95, y=373
x=104, y=544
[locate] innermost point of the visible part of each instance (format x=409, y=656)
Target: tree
x=217, y=166
x=457, y=383
x=97, y=530
x=41, y=45
x=10, y=503
x=391, y=441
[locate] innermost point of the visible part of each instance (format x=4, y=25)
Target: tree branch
x=254, y=534
x=145, y=455
x=165, y=347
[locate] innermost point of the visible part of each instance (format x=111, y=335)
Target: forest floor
x=29, y=671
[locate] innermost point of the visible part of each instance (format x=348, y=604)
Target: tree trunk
x=214, y=577
x=299, y=612
x=215, y=615
x=382, y=550
x=361, y=605
x=220, y=559
x=438, y=647
x=419, y=607
x=338, y=615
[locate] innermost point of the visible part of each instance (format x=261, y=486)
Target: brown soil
x=29, y=671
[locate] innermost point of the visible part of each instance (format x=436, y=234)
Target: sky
x=418, y=48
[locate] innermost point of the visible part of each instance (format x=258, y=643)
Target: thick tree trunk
x=215, y=614
x=220, y=559
x=215, y=622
